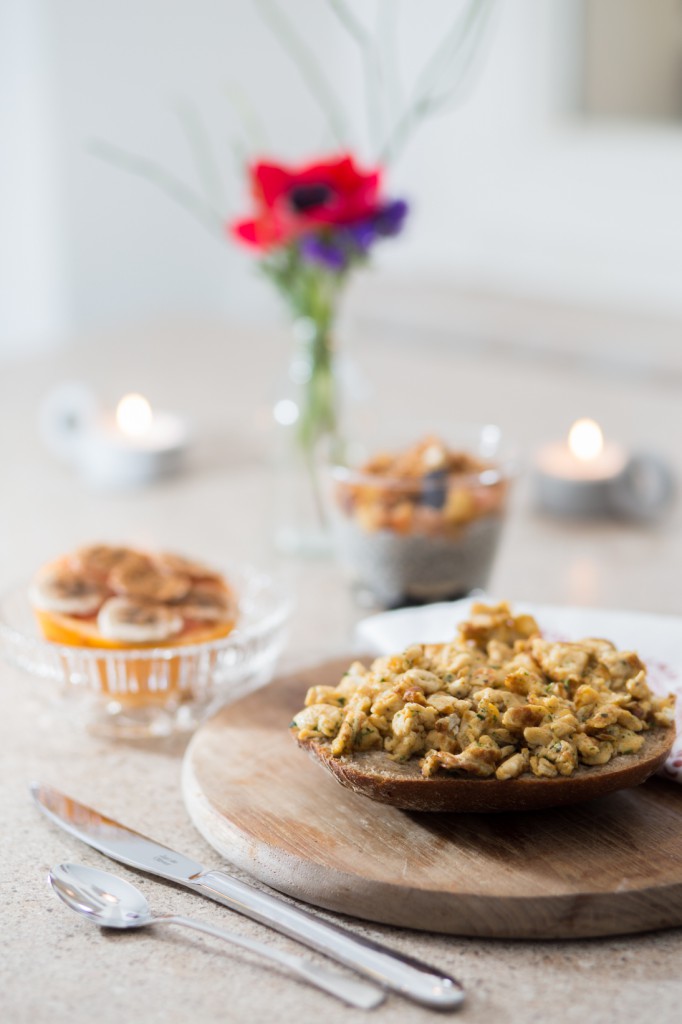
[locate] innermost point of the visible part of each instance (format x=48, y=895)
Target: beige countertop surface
x=55, y=966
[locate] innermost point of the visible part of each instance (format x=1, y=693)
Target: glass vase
x=306, y=415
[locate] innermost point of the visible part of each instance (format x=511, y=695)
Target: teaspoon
x=111, y=902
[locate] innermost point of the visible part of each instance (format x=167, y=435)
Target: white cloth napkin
x=656, y=638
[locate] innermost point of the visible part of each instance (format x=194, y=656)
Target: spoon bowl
x=106, y=899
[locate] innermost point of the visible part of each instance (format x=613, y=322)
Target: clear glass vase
x=306, y=421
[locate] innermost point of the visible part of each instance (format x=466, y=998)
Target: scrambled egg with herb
x=498, y=701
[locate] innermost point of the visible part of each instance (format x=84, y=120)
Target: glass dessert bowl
x=420, y=522
x=142, y=654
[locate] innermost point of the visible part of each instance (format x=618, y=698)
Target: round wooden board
x=610, y=866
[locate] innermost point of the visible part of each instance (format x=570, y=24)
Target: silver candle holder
x=130, y=446
x=589, y=477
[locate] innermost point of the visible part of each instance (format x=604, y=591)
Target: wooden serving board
x=610, y=866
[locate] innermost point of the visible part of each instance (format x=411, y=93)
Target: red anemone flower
x=291, y=202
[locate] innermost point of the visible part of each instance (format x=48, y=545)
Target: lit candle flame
x=134, y=415
x=585, y=439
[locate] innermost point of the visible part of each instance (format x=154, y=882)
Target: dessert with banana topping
x=105, y=596
x=120, y=598
x=500, y=710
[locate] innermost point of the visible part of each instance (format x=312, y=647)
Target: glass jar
x=426, y=534
x=306, y=427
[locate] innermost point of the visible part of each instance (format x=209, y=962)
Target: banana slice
x=98, y=560
x=144, y=580
x=207, y=603
x=130, y=620
x=169, y=562
x=59, y=589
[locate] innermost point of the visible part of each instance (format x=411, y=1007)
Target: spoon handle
x=354, y=992
x=410, y=977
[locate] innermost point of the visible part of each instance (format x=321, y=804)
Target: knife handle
x=409, y=977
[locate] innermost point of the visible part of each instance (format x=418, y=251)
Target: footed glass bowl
x=155, y=691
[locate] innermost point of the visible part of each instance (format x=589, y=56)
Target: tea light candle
x=134, y=446
x=577, y=477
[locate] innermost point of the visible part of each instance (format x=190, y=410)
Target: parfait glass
x=415, y=538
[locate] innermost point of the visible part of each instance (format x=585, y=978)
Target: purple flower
x=323, y=252
x=391, y=218
x=362, y=235
x=386, y=222
x=335, y=249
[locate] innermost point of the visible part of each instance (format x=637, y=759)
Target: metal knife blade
x=410, y=977
x=116, y=841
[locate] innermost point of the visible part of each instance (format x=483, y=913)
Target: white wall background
x=508, y=192
x=32, y=292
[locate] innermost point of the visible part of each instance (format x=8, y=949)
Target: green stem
x=388, y=17
x=371, y=65
x=318, y=415
x=199, y=143
x=157, y=175
x=318, y=418
x=444, y=73
x=308, y=67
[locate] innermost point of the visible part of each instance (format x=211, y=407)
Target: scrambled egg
x=497, y=701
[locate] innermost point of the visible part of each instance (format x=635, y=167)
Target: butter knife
x=410, y=977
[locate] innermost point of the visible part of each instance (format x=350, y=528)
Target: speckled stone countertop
x=56, y=967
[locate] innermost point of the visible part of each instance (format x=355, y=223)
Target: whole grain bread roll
x=373, y=774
